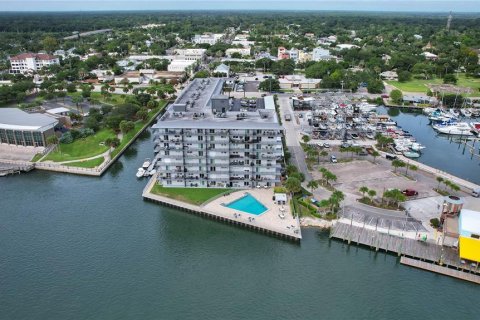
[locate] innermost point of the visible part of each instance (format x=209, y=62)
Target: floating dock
x=440, y=269
x=430, y=254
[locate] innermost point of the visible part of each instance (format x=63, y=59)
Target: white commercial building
x=31, y=62
x=241, y=51
x=321, y=54
x=207, y=38
x=180, y=65
x=190, y=54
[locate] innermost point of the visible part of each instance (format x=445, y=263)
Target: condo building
x=31, y=62
x=206, y=139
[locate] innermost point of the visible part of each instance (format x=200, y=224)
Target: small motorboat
x=146, y=163
x=411, y=154
x=417, y=147
x=140, y=173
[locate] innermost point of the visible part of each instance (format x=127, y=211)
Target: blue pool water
x=248, y=204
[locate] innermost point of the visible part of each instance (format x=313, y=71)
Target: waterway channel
x=442, y=152
x=74, y=247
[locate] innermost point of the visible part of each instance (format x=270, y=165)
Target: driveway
x=292, y=137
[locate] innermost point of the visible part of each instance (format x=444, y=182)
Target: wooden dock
x=426, y=252
x=7, y=168
x=440, y=269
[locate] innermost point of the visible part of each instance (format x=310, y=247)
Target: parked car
x=288, y=117
x=326, y=145
x=410, y=192
x=363, y=153
x=390, y=156
x=345, y=145
x=476, y=193
x=333, y=159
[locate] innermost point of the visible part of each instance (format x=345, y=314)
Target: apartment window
x=3, y=136
x=19, y=137
x=38, y=139
x=200, y=138
x=200, y=153
x=167, y=153
x=213, y=169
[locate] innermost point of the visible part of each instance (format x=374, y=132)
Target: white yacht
x=146, y=163
x=457, y=129
x=140, y=172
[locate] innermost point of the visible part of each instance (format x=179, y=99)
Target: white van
x=476, y=193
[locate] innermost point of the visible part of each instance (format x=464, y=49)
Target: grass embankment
x=90, y=146
x=195, y=196
x=37, y=157
x=138, y=127
x=81, y=148
x=87, y=163
x=419, y=85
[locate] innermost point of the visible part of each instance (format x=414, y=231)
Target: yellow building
x=469, y=235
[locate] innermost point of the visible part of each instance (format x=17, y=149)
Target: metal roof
x=469, y=222
x=16, y=119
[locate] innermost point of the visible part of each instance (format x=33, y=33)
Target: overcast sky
x=348, y=5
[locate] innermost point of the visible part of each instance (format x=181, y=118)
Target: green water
x=76, y=247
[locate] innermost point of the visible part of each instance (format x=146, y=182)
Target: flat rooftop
x=193, y=109
x=16, y=119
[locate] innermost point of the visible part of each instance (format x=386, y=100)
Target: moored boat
x=140, y=172
x=411, y=154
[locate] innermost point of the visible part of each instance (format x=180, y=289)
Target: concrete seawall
x=198, y=210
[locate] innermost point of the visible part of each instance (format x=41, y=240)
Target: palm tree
x=330, y=176
x=335, y=199
x=447, y=183
x=312, y=184
x=324, y=154
x=397, y=164
x=306, y=138
x=293, y=185
x=439, y=180
x=371, y=194
x=411, y=167
x=363, y=190
x=375, y=154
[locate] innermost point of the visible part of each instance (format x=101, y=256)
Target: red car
x=410, y=192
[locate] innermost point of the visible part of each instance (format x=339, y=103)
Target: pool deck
x=268, y=222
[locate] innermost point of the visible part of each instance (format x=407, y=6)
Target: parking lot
x=357, y=173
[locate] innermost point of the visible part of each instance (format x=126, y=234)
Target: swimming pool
x=248, y=204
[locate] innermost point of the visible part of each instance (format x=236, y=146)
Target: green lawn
x=87, y=164
x=414, y=85
x=417, y=85
x=90, y=146
x=195, y=196
x=138, y=126
x=37, y=157
x=81, y=148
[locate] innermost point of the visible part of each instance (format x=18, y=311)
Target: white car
x=333, y=159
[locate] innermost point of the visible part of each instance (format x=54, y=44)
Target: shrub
x=279, y=190
x=66, y=138
x=435, y=222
